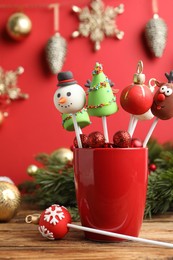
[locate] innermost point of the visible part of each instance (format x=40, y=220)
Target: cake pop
x=55, y=221
x=162, y=106
x=69, y=98
x=82, y=119
x=101, y=99
x=137, y=98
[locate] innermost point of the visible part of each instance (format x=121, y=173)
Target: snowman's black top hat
x=65, y=79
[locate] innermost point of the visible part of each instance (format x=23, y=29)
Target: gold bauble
x=9, y=200
x=63, y=155
x=32, y=169
x=19, y=26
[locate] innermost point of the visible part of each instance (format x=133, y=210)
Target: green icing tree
x=101, y=100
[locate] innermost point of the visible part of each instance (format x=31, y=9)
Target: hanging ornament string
x=56, y=47
x=55, y=15
x=155, y=8
x=156, y=32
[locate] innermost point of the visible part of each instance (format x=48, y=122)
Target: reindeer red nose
x=161, y=97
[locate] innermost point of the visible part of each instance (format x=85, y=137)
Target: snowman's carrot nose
x=62, y=100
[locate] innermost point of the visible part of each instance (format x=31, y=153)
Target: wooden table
x=19, y=240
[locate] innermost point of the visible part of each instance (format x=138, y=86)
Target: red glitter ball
x=108, y=145
x=96, y=139
x=136, y=142
x=84, y=140
x=122, y=139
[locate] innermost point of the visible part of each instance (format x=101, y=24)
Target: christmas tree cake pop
x=82, y=118
x=101, y=99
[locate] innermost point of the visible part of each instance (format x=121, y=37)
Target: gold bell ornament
x=156, y=32
x=9, y=199
x=19, y=26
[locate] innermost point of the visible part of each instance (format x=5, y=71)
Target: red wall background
x=34, y=125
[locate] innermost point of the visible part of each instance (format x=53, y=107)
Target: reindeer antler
x=169, y=76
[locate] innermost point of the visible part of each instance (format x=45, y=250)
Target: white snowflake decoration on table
x=53, y=216
x=98, y=22
x=46, y=233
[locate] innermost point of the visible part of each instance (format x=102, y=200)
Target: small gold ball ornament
x=63, y=155
x=32, y=170
x=19, y=26
x=9, y=200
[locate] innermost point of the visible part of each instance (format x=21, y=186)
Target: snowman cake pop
x=69, y=98
x=82, y=118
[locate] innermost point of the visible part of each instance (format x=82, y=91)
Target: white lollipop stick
x=133, y=126
x=105, y=129
x=76, y=127
x=116, y=235
x=130, y=122
x=80, y=130
x=150, y=132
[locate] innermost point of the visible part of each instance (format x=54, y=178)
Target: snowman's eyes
x=68, y=94
x=58, y=95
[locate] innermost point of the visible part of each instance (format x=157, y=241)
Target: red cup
x=111, y=185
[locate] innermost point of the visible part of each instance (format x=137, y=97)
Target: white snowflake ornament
x=53, y=222
x=98, y=22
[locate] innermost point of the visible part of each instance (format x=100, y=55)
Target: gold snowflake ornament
x=9, y=89
x=98, y=22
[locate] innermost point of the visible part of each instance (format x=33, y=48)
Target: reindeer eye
x=163, y=89
x=168, y=92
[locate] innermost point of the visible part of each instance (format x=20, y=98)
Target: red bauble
x=53, y=222
x=136, y=142
x=108, y=145
x=84, y=141
x=122, y=139
x=96, y=139
x=136, y=99
x=152, y=167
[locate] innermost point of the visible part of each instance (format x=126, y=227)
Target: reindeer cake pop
x=162, y=106
x=69, y=98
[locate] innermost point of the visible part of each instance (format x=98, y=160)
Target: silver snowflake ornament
x=97, y=22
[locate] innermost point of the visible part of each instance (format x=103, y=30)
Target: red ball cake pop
x=162, y=106
x=53, y=222
x=137, y=98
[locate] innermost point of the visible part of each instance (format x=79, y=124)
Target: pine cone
x=56, y=49
x=156, y=35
